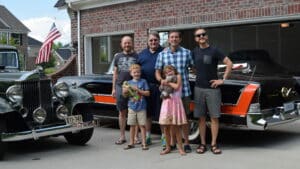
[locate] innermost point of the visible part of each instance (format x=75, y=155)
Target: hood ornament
x=285, y=92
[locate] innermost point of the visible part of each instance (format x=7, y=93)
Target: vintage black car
x=258, y=95
x=31, y=107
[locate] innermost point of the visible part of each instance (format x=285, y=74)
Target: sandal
x=215, y=149
x=165, y=151
x=129, y=146
x=201, y=149
x=120, y=141
x=144, y=147
x=137, y=141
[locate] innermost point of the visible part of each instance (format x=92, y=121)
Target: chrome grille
x=37, y=94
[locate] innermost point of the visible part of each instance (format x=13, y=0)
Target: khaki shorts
x=136, y=117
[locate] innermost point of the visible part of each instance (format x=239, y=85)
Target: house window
x=3, y=38
x=17, y=38
x=103, y=50
x=163, y=39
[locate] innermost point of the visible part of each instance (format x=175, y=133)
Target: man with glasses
x=147, y=59
x=180, y=58
x=207, y=95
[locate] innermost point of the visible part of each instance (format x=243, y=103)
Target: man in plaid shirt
x=181, y=58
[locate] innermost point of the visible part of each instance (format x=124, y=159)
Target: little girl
x=172, y=114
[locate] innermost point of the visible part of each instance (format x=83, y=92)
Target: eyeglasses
x=151, y=40
x=200, y=35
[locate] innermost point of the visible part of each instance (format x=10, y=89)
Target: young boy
x=136, y=89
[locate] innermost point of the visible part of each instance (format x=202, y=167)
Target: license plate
x=289, y=106
x=74, y=120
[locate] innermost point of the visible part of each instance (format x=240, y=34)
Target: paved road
x=275, y=149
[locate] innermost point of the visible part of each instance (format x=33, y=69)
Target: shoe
x=173, y=147
x=163, y=141
x=137, y=141
x=215, y=149
x=148, y=140
x=145, y=147
x=120, y=141
x=187, y=148
x=201, y=149
x=129, y=146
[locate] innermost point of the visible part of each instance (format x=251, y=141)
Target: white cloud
x=40, y=27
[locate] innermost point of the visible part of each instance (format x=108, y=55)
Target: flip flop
x=137, y=141
x=128, y=147
x=120, y=141
x=145, y=147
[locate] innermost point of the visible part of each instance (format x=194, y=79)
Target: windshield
x=9, y=59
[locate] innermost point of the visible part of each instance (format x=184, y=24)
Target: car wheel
x=79, y=138
x=194, y=132
x=2, y=144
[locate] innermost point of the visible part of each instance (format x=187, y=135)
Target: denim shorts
x=122, y=102
x=207, y=101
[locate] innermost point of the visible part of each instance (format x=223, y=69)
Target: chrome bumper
x=44, y=132
x=262, y=120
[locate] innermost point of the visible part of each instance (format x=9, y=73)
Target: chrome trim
x=262, y=120
x=38, y=133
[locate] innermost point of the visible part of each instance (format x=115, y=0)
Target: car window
x=9, y=59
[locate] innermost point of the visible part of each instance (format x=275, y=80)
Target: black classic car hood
x=80, y=80
x=18, y=76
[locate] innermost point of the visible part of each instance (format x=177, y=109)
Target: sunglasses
x=200, y=35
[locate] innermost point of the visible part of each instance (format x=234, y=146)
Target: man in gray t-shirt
x=122, y=63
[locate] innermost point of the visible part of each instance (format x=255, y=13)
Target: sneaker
x=148, y=141
x=187, y=148
x=163, y=141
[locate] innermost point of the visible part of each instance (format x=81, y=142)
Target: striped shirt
x=182, y=60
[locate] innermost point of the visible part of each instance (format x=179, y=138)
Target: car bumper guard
x=44, y=132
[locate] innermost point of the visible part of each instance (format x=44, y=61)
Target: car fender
x=5, y=107
x=78, y=95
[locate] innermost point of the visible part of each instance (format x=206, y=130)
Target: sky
x=38, y=16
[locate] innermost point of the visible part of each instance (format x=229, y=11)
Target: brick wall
x=144, y=14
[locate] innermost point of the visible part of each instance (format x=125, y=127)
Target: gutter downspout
x=78, y=40
x=78, y=37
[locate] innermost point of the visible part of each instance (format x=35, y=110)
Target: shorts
x=207, y=101
x=153, y=102
x=136, y=117
x=122, y=102
x=186, y=105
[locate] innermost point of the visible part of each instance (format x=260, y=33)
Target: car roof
x=7, y=47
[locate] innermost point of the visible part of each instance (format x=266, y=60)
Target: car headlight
x=62, y=112
x=61, y=89
x=39, y=115
x=14, y=94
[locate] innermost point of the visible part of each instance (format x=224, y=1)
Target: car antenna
x=251, y=77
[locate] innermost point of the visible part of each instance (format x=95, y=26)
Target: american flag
x=45, y=50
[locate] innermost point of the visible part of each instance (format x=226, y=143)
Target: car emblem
x=285, y=92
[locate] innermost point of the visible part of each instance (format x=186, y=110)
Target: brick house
x=33, y=51
x=12, y=29
x=98, y=25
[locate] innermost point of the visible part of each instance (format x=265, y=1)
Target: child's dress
x=172, y=110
